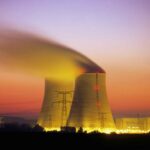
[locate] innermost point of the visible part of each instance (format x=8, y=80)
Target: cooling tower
x=56, y=104
x=90, y=109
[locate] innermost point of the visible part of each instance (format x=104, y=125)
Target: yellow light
x=105, y=131
x=131, y=131
x=99, y=130
x=52, y=129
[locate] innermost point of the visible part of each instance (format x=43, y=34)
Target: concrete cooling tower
x=56, y=104
x=90, y=109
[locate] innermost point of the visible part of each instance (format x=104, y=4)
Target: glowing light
x=109, y=131
x=99, y=130
x=105, y=130
x=131, y=131
x=51, y=129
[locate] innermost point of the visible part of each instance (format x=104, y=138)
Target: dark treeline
x=26, y=135
x=14, y=127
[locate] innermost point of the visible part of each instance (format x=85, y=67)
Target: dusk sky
x=113, y=33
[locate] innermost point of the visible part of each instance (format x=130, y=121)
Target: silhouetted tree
x=37, y=128
x=14, y=128
x=80, y=130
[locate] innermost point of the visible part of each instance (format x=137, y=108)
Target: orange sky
x=20, y=95
x=128, y=92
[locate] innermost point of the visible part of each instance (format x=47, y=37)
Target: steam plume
x=28, y=53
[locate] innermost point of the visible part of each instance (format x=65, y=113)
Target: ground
x=74, y=140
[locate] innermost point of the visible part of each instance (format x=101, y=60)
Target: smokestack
x=90, y=109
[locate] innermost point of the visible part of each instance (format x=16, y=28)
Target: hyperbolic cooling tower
x=56, y=104
x=90, y=109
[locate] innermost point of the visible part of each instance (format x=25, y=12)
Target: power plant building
x=141, y=124
x=83, y=104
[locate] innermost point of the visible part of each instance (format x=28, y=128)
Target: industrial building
x=133, y=125
x=83, y=103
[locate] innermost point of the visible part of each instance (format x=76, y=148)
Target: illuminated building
x=133, y=125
